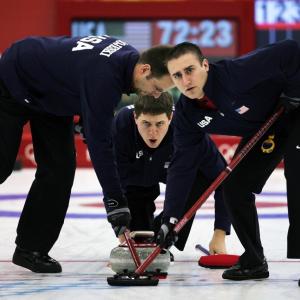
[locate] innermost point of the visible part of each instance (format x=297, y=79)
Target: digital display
x=277, y=20
x=216, y=38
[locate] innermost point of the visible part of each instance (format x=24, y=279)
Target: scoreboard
x=222, y=29
x=217, y=38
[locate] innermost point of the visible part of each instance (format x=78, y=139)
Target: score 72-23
x=204, y=33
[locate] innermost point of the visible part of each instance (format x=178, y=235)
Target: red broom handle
x=214, y=185
x=132, y=249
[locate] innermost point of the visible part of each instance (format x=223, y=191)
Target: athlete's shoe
x=237, y=272
x=36, y=261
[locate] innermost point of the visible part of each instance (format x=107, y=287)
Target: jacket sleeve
x=279, y=61
x=285, y=56
x=222, y=219
x=194, y=150
x=290, y=62
x=100, y=94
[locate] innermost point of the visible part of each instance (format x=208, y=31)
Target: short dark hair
x=184, y=48
x=154, y=106
x=156, y=57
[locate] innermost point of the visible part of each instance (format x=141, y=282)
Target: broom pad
x=218, y=261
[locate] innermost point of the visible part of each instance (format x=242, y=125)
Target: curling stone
x=121, y=260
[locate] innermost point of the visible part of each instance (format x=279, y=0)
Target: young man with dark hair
x=143, y=143
x=46, y=81
x=235, y=97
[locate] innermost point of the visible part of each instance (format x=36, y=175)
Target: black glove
x=289, y=103
x=118, y=215
x=78, y=129
x=166, y=236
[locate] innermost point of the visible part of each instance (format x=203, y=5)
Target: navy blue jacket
x=246, y=91
x=69, y=76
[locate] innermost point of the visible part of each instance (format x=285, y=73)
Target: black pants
x=142, y=207
x=53, y=142
x=250, y=176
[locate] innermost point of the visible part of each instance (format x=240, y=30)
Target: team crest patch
x=242, y=109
